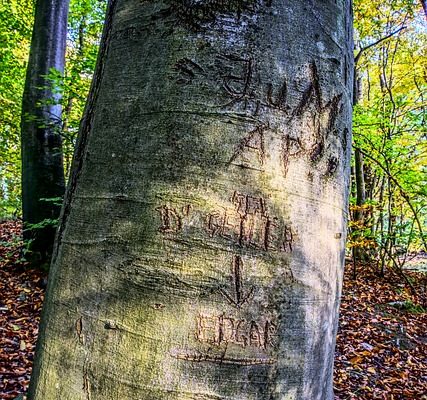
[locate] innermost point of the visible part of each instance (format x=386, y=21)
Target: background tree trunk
x=201, y=249
x=359, y=252
x=42, y=169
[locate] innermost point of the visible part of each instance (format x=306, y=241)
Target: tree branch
x=403, y=193
x=363, y=49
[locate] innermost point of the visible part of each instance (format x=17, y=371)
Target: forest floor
x=381, y=345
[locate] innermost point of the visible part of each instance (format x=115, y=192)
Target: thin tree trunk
x=381, y=227
x=359, y=174
x=42, y=169
x=359, y=214
x=360, y=181
x=201, y=248
x=69, y=107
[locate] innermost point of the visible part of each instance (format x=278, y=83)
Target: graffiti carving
x=187, y=70
x=250, y=225
x=237, y=296
x=250, y=152
x=221, y=329
x=171, y=221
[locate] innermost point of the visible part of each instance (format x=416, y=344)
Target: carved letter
x=171, y=221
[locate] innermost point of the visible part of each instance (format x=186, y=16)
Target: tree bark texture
x=201, y=250
x=42, y=169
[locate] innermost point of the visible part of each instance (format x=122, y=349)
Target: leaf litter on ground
x=21, y=298
x=381, y=348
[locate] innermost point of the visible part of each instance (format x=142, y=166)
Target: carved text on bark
x=250, y=225
x=309, y=121
x=221, y=329
x=247, y=223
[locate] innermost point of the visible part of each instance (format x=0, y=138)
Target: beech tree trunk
x=201, y=249
x=43, y=183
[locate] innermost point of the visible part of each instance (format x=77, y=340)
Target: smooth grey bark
x=41, y=144
x=201, y=248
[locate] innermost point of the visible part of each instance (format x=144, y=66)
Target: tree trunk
x=360, y=180
x=201, y=248
x=359, y=215
x=42, y=171
x=424, y=4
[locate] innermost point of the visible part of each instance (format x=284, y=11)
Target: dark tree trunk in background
x=359, y=170
x=360, y=179
x=42, y=169
x=424, y=4
x=201, y=249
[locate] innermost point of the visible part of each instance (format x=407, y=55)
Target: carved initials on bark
x=237, y=296
x=252, y=144
x=323, y=118
x=250, y=225
x=221, y=329
x=171, y=219
x=280, y=101
x=238, y=85
x=198, y=15
x=187, y=70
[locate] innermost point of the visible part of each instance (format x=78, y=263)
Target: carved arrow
x=237, y=297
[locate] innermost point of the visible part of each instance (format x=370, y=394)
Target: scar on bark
x=249, y=205
x=194, y=14
x=288, y=239
x=334, y=109
x=220, y=330
x=280, y=101
x=186, y=210
x=110, y=325
x=267, y=229
x=316, y=151
x=344, y=139
x=237, y=296
x=245, y=77
x=313, y=94
x=130, y=33
x=332, y=165
x=79, y=330
x=200, y=357
x=187, y=70
x=86, y=382
x=241, y=83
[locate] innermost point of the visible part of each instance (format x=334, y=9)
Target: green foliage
x=15, y=34
x=409, y=306
x=84, y=33
x=42, y=224
x=16, y=19
x=390, y=124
